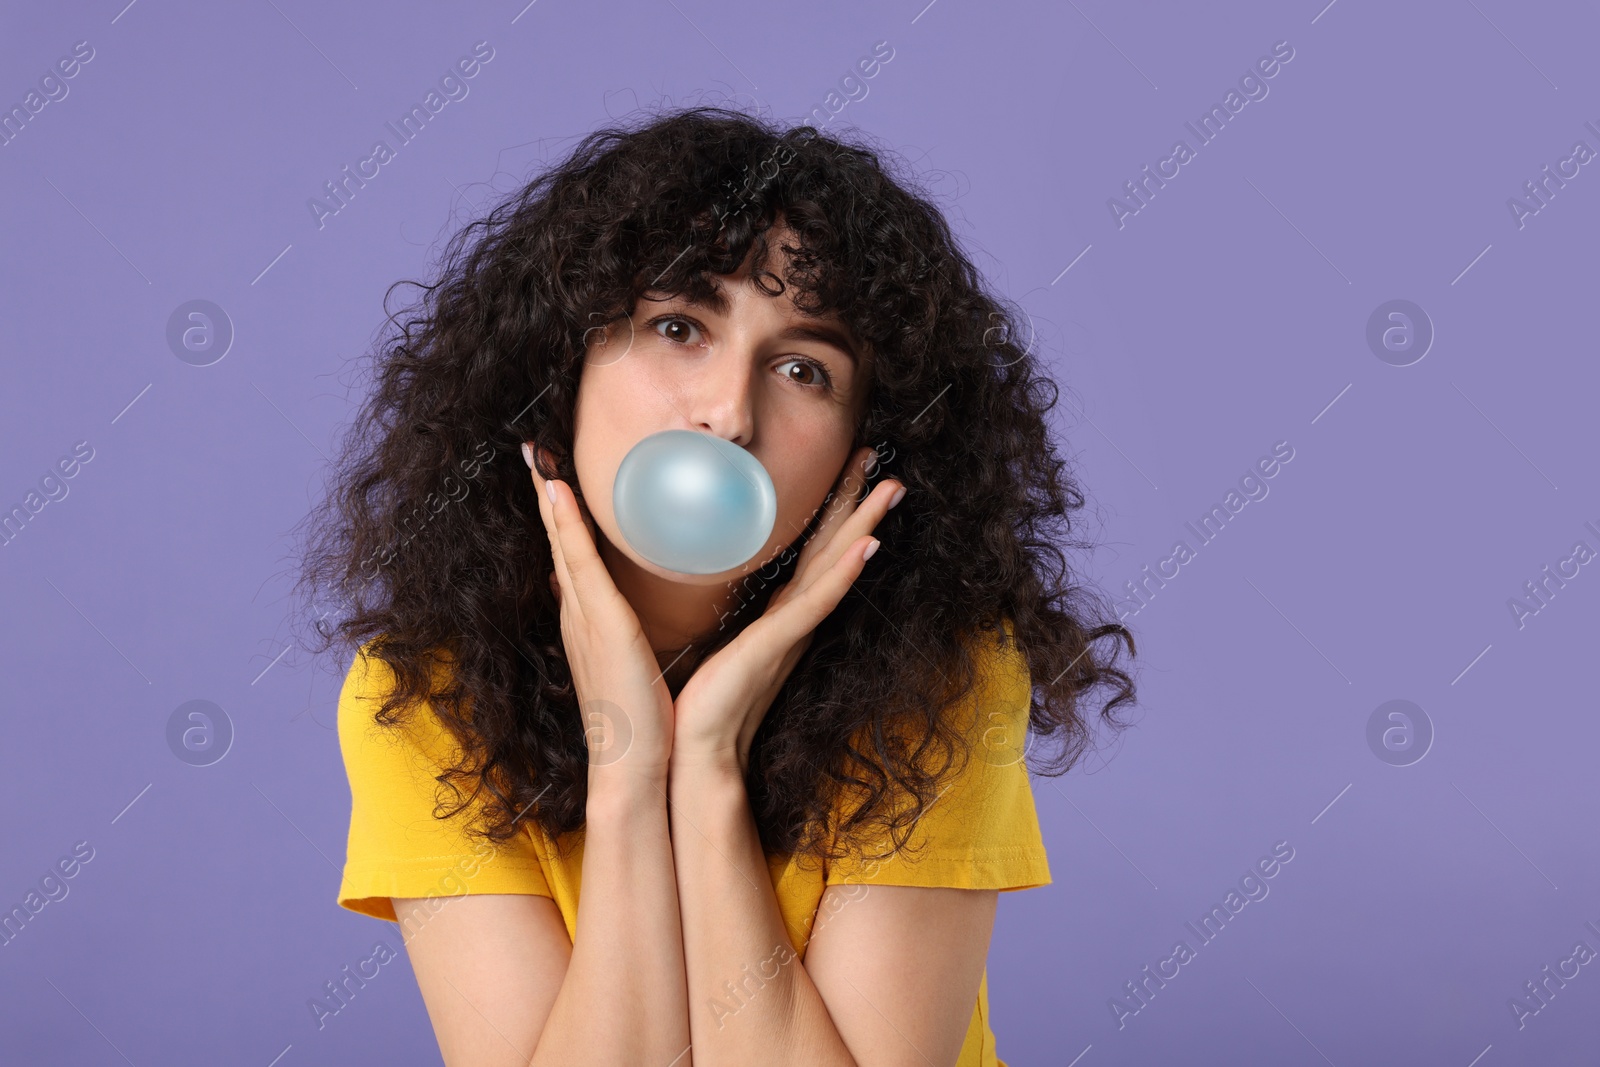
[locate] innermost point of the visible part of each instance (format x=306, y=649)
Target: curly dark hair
x=430, y=536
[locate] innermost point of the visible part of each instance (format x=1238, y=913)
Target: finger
x=788, y=623
x=587, y=577
x=852, y=540
x=861, y=520
x=548, y=462
x=547, y=513
x=846, y=494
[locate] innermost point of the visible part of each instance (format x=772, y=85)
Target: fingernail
x=527, y=454
x=550, y=490
x=899, y=494
x=870, y=550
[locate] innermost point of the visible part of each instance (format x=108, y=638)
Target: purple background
x=1229, y=314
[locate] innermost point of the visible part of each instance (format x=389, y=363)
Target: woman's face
x=784, y=386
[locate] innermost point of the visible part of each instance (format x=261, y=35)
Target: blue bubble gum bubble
x=693, y=503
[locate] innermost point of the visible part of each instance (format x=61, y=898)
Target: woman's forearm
x=624, y=998
x=750, y=999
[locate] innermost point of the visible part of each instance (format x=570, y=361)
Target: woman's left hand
x=721, y=705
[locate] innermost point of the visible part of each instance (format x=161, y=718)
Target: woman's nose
x=719, y=402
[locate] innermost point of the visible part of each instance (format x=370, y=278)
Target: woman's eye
x=678, y=329
x=806, y=372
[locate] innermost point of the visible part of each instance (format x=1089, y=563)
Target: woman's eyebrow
x=818, y=332
x=716, y=300
x=823, y=335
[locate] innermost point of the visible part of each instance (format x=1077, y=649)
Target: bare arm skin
x=500, y=979
x=896, y=980
x=504, y=985
x=889, y=979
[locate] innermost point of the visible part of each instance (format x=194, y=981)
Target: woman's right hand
x=622, y=695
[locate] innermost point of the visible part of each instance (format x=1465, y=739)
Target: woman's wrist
x=716, y=771
x=619, y=789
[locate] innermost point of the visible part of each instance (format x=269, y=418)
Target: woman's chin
x=610, y=550
x=721, y=578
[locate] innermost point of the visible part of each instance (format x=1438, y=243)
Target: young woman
x=788, y=794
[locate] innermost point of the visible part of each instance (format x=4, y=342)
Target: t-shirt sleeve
x=397, y=848
x=982, y=832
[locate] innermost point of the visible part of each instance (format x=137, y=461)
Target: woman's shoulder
x=996, y=701
x=1003, y=664
x=981, y=831
x=409, y=735
x=400, y=844
x=1000, y=696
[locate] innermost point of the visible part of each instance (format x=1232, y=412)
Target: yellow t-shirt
x=982, y=832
